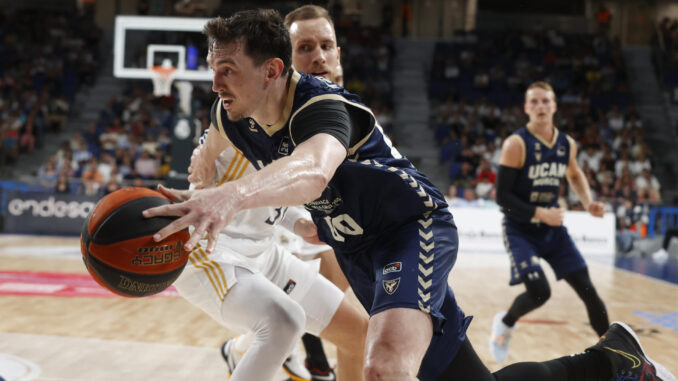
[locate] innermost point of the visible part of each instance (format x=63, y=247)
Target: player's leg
x=411, y=302
x=347, y=330
x=525, y=268
x=328, y=313
x=618, y=354
x=569, y=264
x=276, y=321
x=397, y=340
x=537, y=292
x=329, y=268
x=316, y=359
x=225, y=293
x=583, y=286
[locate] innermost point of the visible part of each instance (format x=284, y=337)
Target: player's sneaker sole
x=293, y=375
x=317, y=375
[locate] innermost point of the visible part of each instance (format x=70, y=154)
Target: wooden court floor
x=64, y=338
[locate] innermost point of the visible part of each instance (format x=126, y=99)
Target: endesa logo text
x=50, y=208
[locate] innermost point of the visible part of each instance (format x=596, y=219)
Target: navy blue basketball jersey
x=544, y=167
x=373, y=191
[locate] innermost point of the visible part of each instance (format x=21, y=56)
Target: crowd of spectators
x=477, y=86
x=44, y=58
x=129, y=144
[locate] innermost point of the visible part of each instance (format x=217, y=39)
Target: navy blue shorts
x=527, y=242
x=408, y=267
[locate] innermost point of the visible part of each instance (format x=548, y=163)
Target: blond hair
x=307, y=12
x=540, y=85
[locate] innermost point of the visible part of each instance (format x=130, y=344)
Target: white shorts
x=207, y=279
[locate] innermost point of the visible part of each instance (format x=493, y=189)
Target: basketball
x=118, y=248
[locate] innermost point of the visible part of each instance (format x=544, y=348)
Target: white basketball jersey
x=253, y=229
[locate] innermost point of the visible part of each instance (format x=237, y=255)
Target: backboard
x=142, y=42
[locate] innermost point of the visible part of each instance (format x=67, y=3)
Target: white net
x=162, y=77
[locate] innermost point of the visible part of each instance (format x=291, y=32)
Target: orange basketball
x=118, y=248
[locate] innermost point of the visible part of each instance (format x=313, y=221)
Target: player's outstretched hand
x=307, y=230
x=202, y=172
x=597, y=209
x=207, y=210
x=550, y=216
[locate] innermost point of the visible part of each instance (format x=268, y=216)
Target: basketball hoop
x=162, y=77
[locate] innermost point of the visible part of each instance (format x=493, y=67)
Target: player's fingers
x=169, y=192
x=172, y=210
x=171, y=228
x=175, y=194
x=212, y=242
x=197, y=235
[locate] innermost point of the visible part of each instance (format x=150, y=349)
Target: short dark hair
x=307, y=12
x=262, y=31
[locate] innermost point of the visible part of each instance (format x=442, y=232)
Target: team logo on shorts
x=391, y=285
x=289, y=287
x=394, y=267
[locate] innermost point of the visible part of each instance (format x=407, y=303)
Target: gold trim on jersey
x=544, y=142
x=215, y=274
x=220, y=124
x=199, y=258
x=277, y=126
x=522, y=143
x=338, y=97
x=237, y=171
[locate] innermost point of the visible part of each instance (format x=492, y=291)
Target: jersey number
x=343, y=225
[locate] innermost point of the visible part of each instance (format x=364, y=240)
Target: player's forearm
x=580, y=186
x=285, y=182
x=510, y=202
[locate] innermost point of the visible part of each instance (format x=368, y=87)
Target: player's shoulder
x=516, y=139
x=311, y=87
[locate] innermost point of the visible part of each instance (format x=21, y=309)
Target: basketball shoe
x=293, y=365
x=500, y=338
x=230, y=355
x=629, y=362
x=321, y=374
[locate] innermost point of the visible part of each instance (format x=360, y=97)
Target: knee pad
x=537, y=287
x=286, y=315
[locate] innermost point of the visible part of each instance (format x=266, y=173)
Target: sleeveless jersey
x=543, y=170
x=350, y=213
